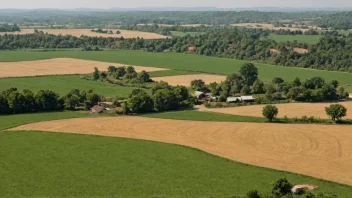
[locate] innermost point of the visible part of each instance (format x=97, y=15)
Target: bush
x=270, y=112
x=253, y=194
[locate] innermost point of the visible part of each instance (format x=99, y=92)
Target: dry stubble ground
x=290, y=110
x=322, y=151
x=88, y=32
x=185, y=80
x=59, y=66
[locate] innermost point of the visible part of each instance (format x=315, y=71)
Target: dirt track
x=58, y=66
x=290, y=110
x=185, y=80
x=322, y=151
x=87, y=32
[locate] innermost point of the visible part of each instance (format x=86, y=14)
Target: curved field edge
x=96, y=166
x=177, y=61
x=305, y=149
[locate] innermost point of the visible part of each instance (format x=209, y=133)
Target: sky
x=65, y=4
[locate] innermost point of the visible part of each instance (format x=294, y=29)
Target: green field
x=9, y=121
x=39, y=164
x=63, y=84
x=310, y=39
x=42, y=164
x=180, y=62
x=181, y=34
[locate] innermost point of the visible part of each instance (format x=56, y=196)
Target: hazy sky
x=171, y=3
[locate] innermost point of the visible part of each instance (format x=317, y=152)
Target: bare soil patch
x=316, y=150
x=87, y=32
x=58, y=66
x=300, y=50
x=185, y=80
x=290, y=110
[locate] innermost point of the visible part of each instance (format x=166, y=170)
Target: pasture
x=63, y=84
x=291, y=110
x=288, y=147
x=309, y=39
x=87, y=32
x=180, y=62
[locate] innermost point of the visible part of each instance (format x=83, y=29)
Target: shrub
x=253, y=194
x=282, y=187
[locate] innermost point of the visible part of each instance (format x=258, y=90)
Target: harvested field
x=300, y=50
x=59, y=66
x=290, y=110
x=272, y=27
x=87, y=32
x=319, y=151
x=185, y=80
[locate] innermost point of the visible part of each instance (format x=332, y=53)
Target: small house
x=247, y=98
x=233, y=99
x=98, y=109
x=192, y=48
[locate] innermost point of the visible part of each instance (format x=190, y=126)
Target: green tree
x=143, y=77
x=165, y=100
x=198, y=85
x=30, y=105
x=253, y=194
x=335, y=83
x=139, y=103
x=16, y=102
x=270, y=112
x=214, y=88
x=258, y=87
x=282, y=187
x=47, y=100
x=296, y=82
x=245, y=90
x=96, y=74
x=342, y=94
x=91, y=100
x=336, y=112
x=71, y=102
x=250, y=73
x=277, y=80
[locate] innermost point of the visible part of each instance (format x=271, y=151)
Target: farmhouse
x=98, y=109
x=240, y=99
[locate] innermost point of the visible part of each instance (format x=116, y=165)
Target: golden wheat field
x=87, y=32
x=322, y=151
x=290, y=110
x=272, y=27
x=58, y=66
x=185, y=80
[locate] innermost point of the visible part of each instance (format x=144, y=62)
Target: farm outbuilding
x=200, y=95
x=98, y=109
x=240, y=99
x=350, y=96
x=192, y=48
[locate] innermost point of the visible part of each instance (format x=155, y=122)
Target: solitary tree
x=96, y=74
x=270, y=112
x=249, y=72
x=281, y=187
x=336, y=112
x=198, y=85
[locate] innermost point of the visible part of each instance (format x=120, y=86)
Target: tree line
x=13, y=101
x=9, y=28
x=246, y=82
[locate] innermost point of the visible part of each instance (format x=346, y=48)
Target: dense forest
x=337, y=21
x=9, y=28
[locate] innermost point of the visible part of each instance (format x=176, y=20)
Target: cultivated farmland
x=322, y=152
x=185, y=80
x=87, y=32
x=291, y=110
x=58, y=66
x=181, y=62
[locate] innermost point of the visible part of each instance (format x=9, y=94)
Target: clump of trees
x=9, y=28
x=102, y=31
x=164, y=98
x=14, y=101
